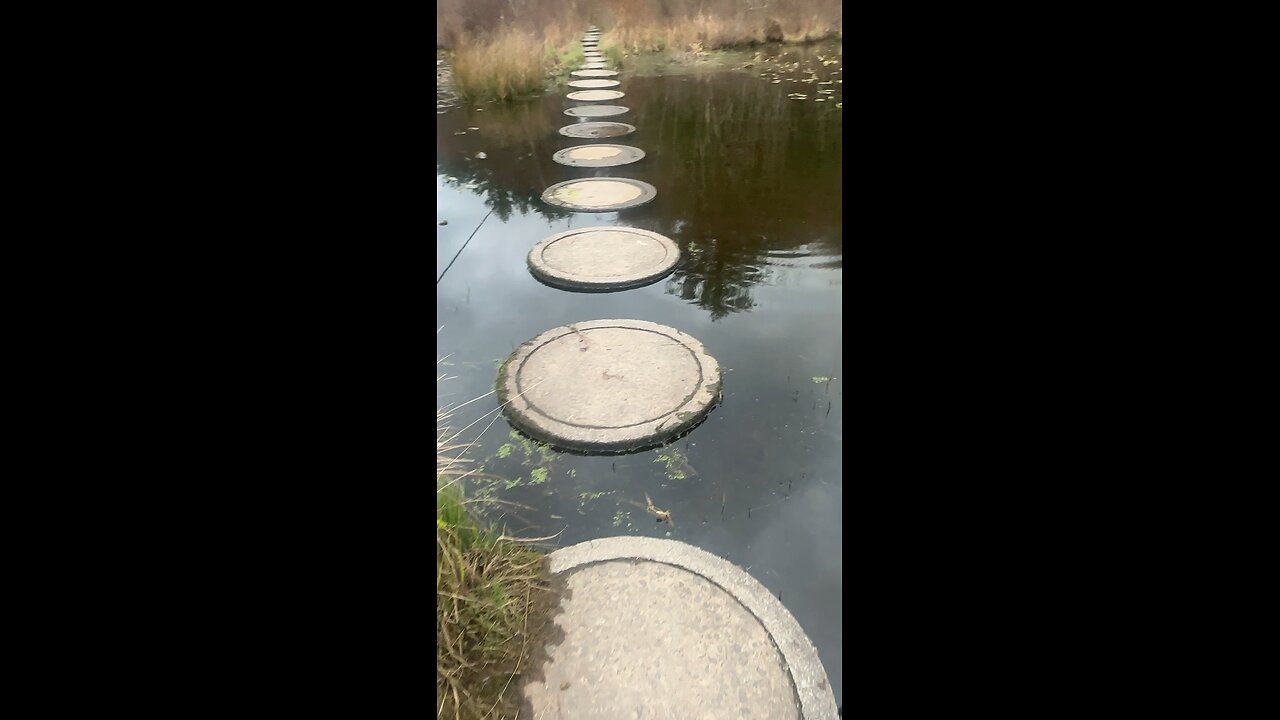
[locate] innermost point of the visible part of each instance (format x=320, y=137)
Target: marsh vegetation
x=506, y=49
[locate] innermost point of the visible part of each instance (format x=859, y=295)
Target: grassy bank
x=502, y=49
x=492, y=598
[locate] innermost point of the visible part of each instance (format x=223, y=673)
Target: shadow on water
x=749, y=182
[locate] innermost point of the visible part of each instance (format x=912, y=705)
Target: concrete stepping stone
x=594, y=83
x=594, y=66
x=596, y=95
x=594, y=73
x=597, y=130
x=656, y=628
x=604, y=194
x=598, y=155
x=597, y=111
x=608, y=385
x=602, y=259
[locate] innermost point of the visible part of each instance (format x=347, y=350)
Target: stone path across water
x=650, y=628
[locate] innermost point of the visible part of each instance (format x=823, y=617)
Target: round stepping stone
x=707, y=640
x=597, y=130
x=605, y=194
x=594, y=66
x=593, y=55
x=595, y=95
x=608, y=385
x=594, y=73
x=603, y=258
x=597, y=111
x=601, y=155
x=594, y=83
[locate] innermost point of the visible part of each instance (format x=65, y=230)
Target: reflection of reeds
x=753, y=171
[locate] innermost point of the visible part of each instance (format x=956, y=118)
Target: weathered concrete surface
x=599, y=194
x=608, y=385
x=597, y=129
x=596, y=95
x=603, y=258
x=660, y=629
x=599, y=155
x=594, y=83
x=594, y=73
x=594, y=66
x=597, y=110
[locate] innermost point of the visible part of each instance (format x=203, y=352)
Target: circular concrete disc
x=593, y=55
x=608, y=385
x=597, y=110
x=594, y=66
x=660, y=629
x=605, y=194
x=600, y=155
x=594, y=83
x=597, y=130
x=603, y=258
x=594, y=73
x=596, y=95
x=694, y=652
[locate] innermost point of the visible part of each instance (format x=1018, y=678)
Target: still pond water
x=749, y=186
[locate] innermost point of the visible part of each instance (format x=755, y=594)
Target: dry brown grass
x=502, y=49
x=492, y=597
x=508, y=66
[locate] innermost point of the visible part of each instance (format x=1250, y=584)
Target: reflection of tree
x=517, y=139
x=717, y=276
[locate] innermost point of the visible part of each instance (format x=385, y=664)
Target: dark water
x=749, y=186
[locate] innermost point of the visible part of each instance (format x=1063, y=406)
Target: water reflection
x=743, y=171
x=748, y=185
